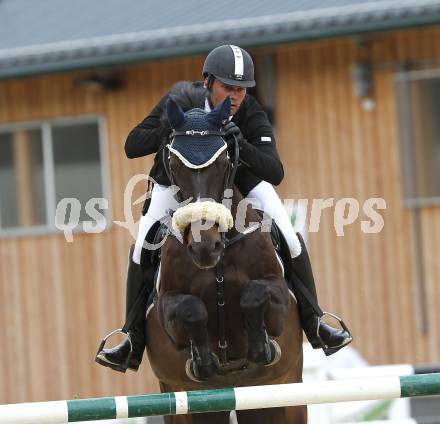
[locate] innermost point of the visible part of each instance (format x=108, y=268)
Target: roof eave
x=124, y=58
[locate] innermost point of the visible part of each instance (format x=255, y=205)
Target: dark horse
x=262, y=341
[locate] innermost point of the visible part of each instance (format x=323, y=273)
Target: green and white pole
x=221, y=399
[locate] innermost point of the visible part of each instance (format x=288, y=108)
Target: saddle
x=160, y=230
x=155, y=236
x=282, y=250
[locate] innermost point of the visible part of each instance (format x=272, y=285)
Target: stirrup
x=123, y=367
x=333, y=349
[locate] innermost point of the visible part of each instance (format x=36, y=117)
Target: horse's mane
x=188, y=95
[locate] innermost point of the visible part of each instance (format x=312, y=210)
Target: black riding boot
x=119, y=357
x=329, y=339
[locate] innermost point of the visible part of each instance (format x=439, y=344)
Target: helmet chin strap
x=210, y=82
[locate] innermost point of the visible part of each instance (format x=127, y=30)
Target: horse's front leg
x=185, y=320
x=264, y=305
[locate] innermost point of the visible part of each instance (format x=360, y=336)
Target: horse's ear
x=221, y=113
x=175, y=114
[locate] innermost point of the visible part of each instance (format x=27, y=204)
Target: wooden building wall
x=332, y=148
x=58, y=299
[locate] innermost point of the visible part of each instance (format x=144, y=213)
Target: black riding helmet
x=231, y=65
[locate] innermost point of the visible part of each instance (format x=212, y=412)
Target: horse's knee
x=261, y=302
x=184, y=317
x=254, y=296
x=191, y=309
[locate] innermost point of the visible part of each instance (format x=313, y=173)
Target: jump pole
x=239, y=398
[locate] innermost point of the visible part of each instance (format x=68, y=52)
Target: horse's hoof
x=275, y=353
x=189, y=371
x=268, y=355
x=199, y=373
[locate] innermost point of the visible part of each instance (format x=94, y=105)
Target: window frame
x=405, y=135
x=45, y=125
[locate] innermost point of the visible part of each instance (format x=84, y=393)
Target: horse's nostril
x=218, y=246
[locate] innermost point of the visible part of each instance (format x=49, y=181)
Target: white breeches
x=162, y=200
x=263, y=197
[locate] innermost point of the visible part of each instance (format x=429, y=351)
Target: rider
x=228, y=71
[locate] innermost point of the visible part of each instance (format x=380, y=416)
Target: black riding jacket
x=258, y=151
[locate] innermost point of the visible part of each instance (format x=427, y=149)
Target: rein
x=229, y=182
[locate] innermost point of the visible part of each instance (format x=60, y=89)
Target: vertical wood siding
x=332, y=148
x=57, y=299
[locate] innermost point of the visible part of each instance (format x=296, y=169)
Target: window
x=418, y=104
x=42, y=163
x=264, y=91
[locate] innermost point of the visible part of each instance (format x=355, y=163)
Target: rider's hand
x=231, y=130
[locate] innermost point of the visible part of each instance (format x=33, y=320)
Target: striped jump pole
x=221, y=399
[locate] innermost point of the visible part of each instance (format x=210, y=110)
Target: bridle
x=232, y=166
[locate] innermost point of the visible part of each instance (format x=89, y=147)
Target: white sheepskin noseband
x=209, y=211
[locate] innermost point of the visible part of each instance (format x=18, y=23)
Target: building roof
x=55, y=35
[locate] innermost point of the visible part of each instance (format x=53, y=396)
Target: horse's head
x=199, y=165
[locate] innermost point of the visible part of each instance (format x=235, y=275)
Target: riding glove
x=231, y=129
